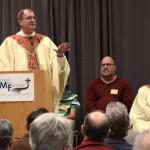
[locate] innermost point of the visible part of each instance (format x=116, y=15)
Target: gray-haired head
x=49, y=132
x=119, y=119
x=6, y=134
x=142, y=141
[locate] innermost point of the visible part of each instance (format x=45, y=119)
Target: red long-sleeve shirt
x=99, y=94
x=92, y=145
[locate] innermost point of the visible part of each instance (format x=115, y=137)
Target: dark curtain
x=94, y=28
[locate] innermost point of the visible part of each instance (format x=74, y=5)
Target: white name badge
x=114, y=91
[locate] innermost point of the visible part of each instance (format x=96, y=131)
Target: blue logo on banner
x=5, y=85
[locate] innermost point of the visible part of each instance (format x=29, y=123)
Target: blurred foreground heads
x=6, y=134
x=94, y=129
x=50, y=132
x=119, y=124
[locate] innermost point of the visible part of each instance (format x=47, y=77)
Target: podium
x=17, y=111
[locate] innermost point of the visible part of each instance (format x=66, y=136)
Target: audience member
x=108, y=87
x=6, y=134
x=119, y=124
x=94, y=130
x=28, y=50
x=142, y=141
x=140, y=110
x=68, y=108
x=50, y=132
x=23, y=143
x=69, y=104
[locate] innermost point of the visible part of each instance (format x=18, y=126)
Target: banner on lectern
x=16, y=87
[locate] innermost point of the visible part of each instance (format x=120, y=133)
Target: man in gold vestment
x=28, y=50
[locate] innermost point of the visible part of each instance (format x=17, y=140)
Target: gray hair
x=119, y=119
x=142, y=141
x=6, y=133
x=49, y=132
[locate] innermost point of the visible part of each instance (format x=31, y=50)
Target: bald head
x=98, y=118
x=96, y=126
x=108, y=59
x=108, y=67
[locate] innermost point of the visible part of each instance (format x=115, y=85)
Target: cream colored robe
x=140, y=110
x=13, y=57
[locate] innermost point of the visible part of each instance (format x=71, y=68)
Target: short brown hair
x=21, y=12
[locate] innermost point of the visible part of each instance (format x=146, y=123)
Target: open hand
x=62, y=49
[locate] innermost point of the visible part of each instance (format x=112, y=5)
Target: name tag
x=114, y=91
x=64, y=107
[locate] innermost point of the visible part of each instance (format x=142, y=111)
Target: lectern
x=17, y=110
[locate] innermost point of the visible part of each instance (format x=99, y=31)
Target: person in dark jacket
x=119, y=124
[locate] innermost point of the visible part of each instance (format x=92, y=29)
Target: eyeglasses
x=108, y=65
x=30, y=18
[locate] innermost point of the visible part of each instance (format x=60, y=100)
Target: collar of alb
x=26, y=35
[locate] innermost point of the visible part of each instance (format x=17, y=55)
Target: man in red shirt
x=94, y=129
x=107, y=88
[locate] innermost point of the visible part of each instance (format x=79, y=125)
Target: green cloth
x=69, y=101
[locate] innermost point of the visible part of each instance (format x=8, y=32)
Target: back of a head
x=49, y=132
x=119, y=119
x=96, y=126
x=6, y=133
x=142, y=141
x=34, y=114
